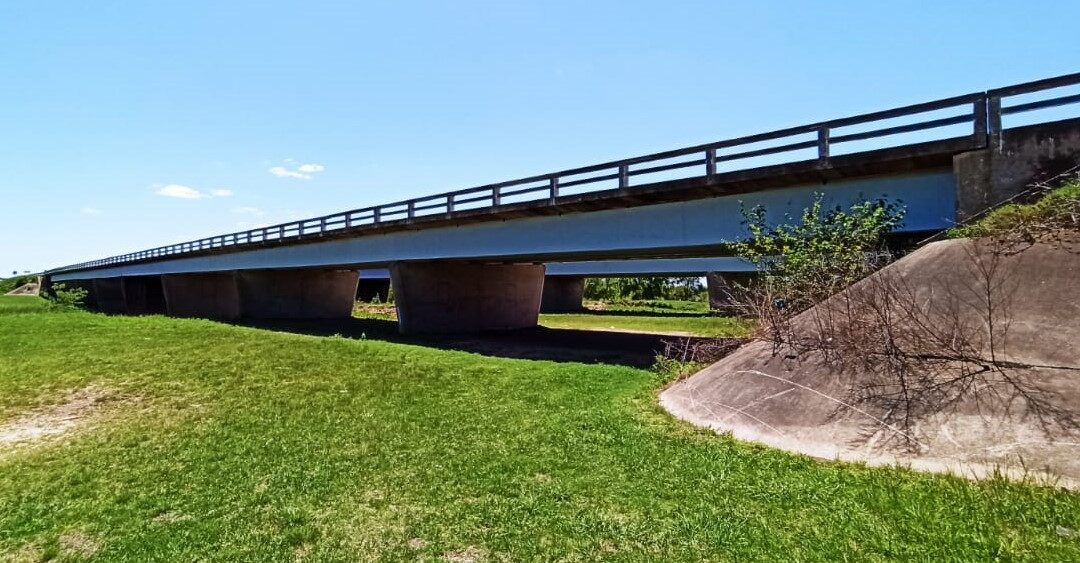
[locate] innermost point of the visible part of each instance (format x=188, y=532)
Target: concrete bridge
x=474, y=259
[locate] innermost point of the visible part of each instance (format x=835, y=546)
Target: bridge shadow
x=541, y=343
x=624, y=313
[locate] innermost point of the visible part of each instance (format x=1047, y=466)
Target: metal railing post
x=979, y=122
x=994, y=122
x=823, y=143
x=710, y=162
x=496, y=196
x=553, y=187
x=624, y=176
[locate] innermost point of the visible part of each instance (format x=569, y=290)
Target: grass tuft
x=1058, y=209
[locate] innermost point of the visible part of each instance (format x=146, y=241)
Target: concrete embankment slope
x=807, y=405
x=31, y=288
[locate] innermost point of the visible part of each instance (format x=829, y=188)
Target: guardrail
x=983, y=111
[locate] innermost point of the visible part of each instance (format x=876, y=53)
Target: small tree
x=802, y=262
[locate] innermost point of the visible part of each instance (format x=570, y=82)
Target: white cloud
x=90, y=211
x=302, y=172
x=179, y=191
x=186, y=192
x=282, y=172
x=253, y=211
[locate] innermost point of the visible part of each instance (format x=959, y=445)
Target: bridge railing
x=979, y=113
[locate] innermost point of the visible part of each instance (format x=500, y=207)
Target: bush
x=803, y=261
x=64, y=297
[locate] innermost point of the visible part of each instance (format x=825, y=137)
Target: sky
x=129, y=125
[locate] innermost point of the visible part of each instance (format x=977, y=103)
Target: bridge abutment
x=297, y=294
x=449, y=297
x=1011, y=163
x=210, y=295
x=562, y=294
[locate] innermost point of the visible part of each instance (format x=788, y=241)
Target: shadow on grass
x=627, y=313
x=540, y=343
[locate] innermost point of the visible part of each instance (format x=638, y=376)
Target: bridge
x=473, y=259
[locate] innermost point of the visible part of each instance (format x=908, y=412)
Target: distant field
x=689, y=318
x=182, y=440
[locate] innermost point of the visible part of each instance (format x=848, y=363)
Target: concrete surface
x=143, y=295
x=721, y=287
x=32, y=288
x=462, y=297
x=297, y=294
x=1011, y=163
x=208, y=296
x=804, y=406
x=562, y=294
x=109, y=296
x=697, y=227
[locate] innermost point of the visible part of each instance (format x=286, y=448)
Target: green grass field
x=685, y=318
x=215, y=442
x=690, y=318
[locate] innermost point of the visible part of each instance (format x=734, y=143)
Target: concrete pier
x=723, y=291
x=297, y=294
x=109, y=296
x=562, y=294
x=143, y=295
x=449, y=297
x=210, y=296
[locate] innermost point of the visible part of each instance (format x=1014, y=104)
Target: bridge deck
x=609, y=185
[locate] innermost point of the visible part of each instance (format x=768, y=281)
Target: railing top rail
x=977, y=102
x=1035, y=86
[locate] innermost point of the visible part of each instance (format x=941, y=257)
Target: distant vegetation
x=644, y=287
x=8, y=284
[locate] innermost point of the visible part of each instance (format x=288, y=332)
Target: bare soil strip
x=53, y=420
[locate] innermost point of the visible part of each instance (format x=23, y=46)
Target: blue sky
x=261, y=112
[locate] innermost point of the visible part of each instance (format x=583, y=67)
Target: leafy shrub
x=804, y=261
x=64, y=297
